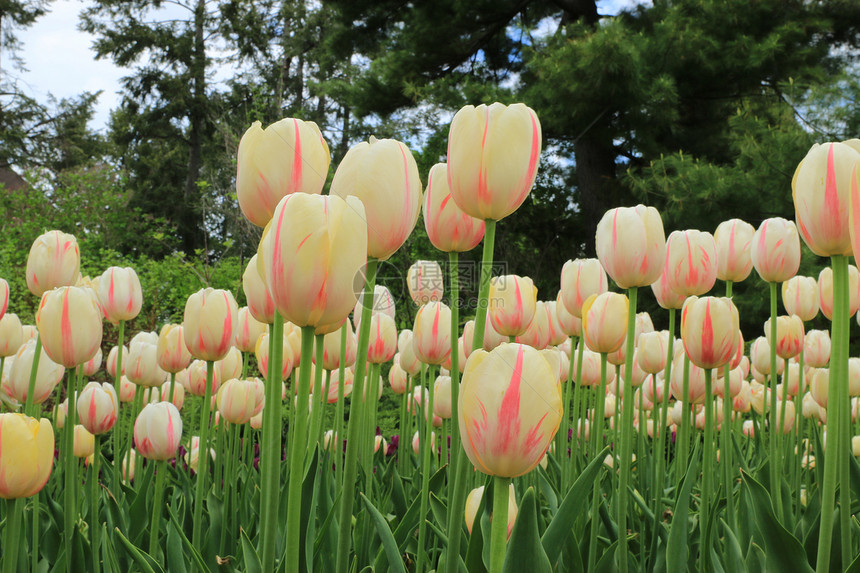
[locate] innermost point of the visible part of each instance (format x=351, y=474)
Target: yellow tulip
x=775, y=250
x=54, y=261
x=172, y=354
x=209, y=323
x=604, y=322
x=11, y=334
x=800, y=296
x=512, y=303
x=69, y=320
x=710, y=329
x=84, y=442
x=120, y=294
x=26, y=455
x=631, y=245
x=734, y=241
x=448, y=227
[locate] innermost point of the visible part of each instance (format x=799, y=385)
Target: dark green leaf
x=525, y=551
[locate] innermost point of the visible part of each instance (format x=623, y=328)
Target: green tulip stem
x=136, y=405
x=117, y=437
x=11, y=535
x=798, y=430
x=426, y=467
x=316, y=390
x=94, y=502
x=298, y=439
x=775, y=462
x=231, y=452
x=353, y=444
x=843, y=448
x=596, y=445
x=499, y=523
x=155, y=526
x=70, y=507
x=335, y=442
x=460, y=463
x=172, y=387
x=726, y=440
x=579, y=403
x=838, y=390
x=683, y=442
x=402, y=456
x=708, y=464
x=626, y=430
x=270, y=451
x=561, y=435
x=29, y=403
x=203, y=457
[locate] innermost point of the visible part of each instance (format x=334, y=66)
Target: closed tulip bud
x=591, y=368
x=260, y=302
x=257, y=421
x=416, y=442
x=691, y=262
x=172, y=354
x=604, y=322
x=638, y=375
x=776, y=250
x=60, y=412
x=383, y=175
x=209, y=323
x=790, y=413
x=825, y=285
x=192, y=456
x=248, y=330
x=556, y=334
x=816, y=348
x=26, y=455
x=651, y=351
x=110, y=365
x=431, y=333
x=736, y=377
x=810, y=407
x=310, y=256
x=854, y=376
x=398, y=379
x=141, y=365
x=262, y=354
x=383, y=302
x=98, y=407
x=742, y=402
x=29, y=332
x=11, y=334
x=120, y=294
x=510, y=409
x=127, y=388
x=579, y=280
x=666, y=297
x=448, y=227
x=493, y=156
x=760, y=398
x=793, y=380
x=821, y=189
x=695, y=385
x=91, y=366
x=425, y=281
x=789, y=335
x=231, y=365
x=734, y=241
x=334, y=382
x=70, y=325
x=442, y=397
x=492, y=338
x=48, y=375
x=237, y=400
x=84, y=442
x=473, y=503
x=197, y=378
x=800, y=296
x=157, y=431
x=4, y=297
x=570, y=325
x=512, y=302
x=54, y=261
x=289, y=156
x=332, y=349
x=178, y=395
x=408, y=360
x=631, y=245
x=760, y=356
x=539, y=332
x=383, y=339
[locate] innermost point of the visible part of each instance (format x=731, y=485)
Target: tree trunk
x=597, y=185
x=190, y=217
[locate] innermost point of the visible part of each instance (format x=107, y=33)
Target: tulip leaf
x=175, y=554
x=732, y=550
x=571, y=508
x=196, y=558
x=525, y=552
x=144, y=561
x=249, y=554
x=784, y=551
x=755, y=562
x=677, y=546
x=137, y=513
x=440, y=511
x=215, y=509
x=310, y=499
x=607, y=561
x=855, y=566
x=395, y=562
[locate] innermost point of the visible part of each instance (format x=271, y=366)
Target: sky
x=60, y=60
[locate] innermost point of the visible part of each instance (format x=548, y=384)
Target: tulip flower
x=11, y=334
x=197, y=379
x=172, y=354
x=231, y=365
x=54, y=261
x=570, y=324
x=416, y=442
x=579, y=280
x=98, y=407
x=332, y=349
x=141, y=366
x=383, y=175
x=209, y=324
x=120, y=294
x=84, y=442
x=262, y=354
x=397, y=378
x=260, y=303
x=431, y=333
x=651, y=351
x=510, y=409
x=691, y=262
x=110, y=365
x=760, y=356
x=816, y=348
x=382, y=302
x=591, y=369
x=493, y=155
x=800, y=296
x=237, y=400
x=733, y=239
x=825, y=284
x=178, y=398
x=473, y=503
x=448, y=227
x=631, y=245
x=70, y=325
x=26, y=455
x=820, y=189
x=442, y=397
x=157, y=431
x=310, y=256
x=48, y=375
x=512, y=304
x=383, y=339
x=249, y=329
x=425, y=281
x=666, y=297
x=709, y=329
x=4, y=297
x=539, y=332
x=775, y=250
x=604, y=322
x=789, y=335
x=289, y=156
